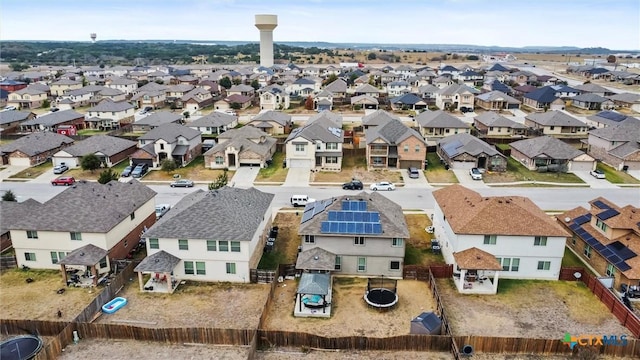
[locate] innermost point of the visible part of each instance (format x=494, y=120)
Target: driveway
x=244, y=176
x=10, y=170
x=298, y=177
x=634, y=173
x=465, y=180
x=593, y=182
x=419, y=183
x=46, y=177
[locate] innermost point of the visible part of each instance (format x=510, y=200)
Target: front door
x=482, y=162
x=232, y=160
x=318, y=160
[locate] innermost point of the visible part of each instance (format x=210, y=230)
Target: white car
x=475, y=174
x=162, y=209
x=383, y=185
x=598, y=174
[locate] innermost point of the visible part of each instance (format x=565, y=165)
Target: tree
x=611, y=59
x=9, y=196
x=235, y=106
x=15, y=66
x=330, y=79
x=255, y=84
x=372, y=56
x=236, y=81
x=473, y=57
x=221, y=181
x=108, y=175
x=46, y=103
x=308, y=104
x=169, y=165
x=90, y=162
x=225, y=82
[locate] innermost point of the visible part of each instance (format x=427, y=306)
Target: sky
x=614, y=24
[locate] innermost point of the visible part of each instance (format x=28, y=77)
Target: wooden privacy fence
x=8, y=262
x=453, y=346
x=420, y=272
x=39, y=327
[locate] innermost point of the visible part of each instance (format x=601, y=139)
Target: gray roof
x=589, y=97
x=159, y=262
x=121, y=81
x=337, y=86
x=554, y=118
x=367, y=88
x=247, y=138
x=13, y=209
x=626, y=149
x=86, y=207
x=393, y=132
x=546, y=147
x=184, y=87
x=55, y=118
x=490, y=118
x=66, y=82
x=378, y=117
x=87, y=255
x=591, y=88
x=497, y=95
x=316, y=259
x=439, y=119
x=457, y=144
x=364, y=99
x=392, y=219
x=428, y=89
x=279, y=117
x=314, y=283
x=170, y=132
x=627, y=130
x=111, y=106
x=36, y=143
x=215, y=119
x=107, y=145
x=335, y=118
x=457, y=89
x=241, y=88
x=159, y=118
x=321, y=129
x=626, y=97
x=7, y=117
x=224, y=214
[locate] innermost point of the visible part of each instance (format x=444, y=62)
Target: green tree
x=108, y=175
x=90, y=162
x=9, y=196
x=330, y=79
x=255, y=84
x=611, y=59
x=16, y=66
x=235, y=106
x=473, y=57
x=169, y=165
x=221, y=181
x=236, y=81
x=46, y=103
x=84, y=81
x=225, y=82
x=372, y=56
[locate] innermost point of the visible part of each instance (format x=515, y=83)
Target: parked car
x=353, y=185
x=162, y=209
x=127, y=171
x=63, y=180
x=632, y=291
x=182, y=183
x=598, y=174
x=54, y=109
x=60, y=169
x=475, y=174
x=413, y=173
x=383, y=185
x=9, y=108
x=464, y=109
x=139, y=170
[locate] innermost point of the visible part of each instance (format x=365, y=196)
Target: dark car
x=465, y=109
x=127, y=171
x=353, y=185
x=632, y=291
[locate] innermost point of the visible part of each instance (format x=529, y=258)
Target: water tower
x=93, y=37
x=266, y=24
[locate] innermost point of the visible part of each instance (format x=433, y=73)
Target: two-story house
x=317, y=144
x=151, y=94
x=617, y=145
x=556, y=123
x=216, y=235
x=244, y=90
x=61, y=86
x=303, y=87
x=215, y=123
x=30, y=97
x=156, y=119
x=174, y=93
x=108, y=115
x=274, y=98
x=496, y=100
x=394, y=145
x=168, y=141
x=127, y=86
x=492, y=124
x=196, y=99
x=470, y=78
x=338, y=89
x=241, y=147
x=272, y=122
x=456, y=96
x=366, y=234
x=435, y=125
x=397, y=88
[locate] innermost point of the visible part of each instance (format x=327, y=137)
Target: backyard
x=418, y=246
x=354, y=165
x=34, y=171
x=436, y=172
x=286, y=246
x=517, y=172
x=274, y=172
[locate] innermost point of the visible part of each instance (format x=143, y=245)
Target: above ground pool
x=381, y=298
x=114, y=305
x=20, y=347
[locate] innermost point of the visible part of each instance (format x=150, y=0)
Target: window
x=610, y=270
x=200, y=268
x=30, y=256
x=490, y=239
x=358, y=240
x=300, y=148
x=57, y=256
x=552, y=127
x=133, y=215
x=587, y=251
x=544, y=265
x=319, y=146
x=338, y=264
x=219, y=160
x=211, y=245
x=32, y=234
x=331, y=159
x=161, y=146
x=509, y=264
x=540, y=241
x=362, y=264
x=188, y=268
x=235, y=246
x=231, y=268
x=396, y=242
x=223, y=246
x=103, y=262
x=309, y=239
x=515, y=264
x=506, y=264
x=377, y=161
x=490, y=128
x=417, y=148
x=332, y=146
x=406, y=148
x=394, y=265
x=573, y=240
x=154, y=244
x=599, y=223
x=76, y=236
x=183, y=244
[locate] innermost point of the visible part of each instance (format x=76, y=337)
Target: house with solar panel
x=606, y=237
x=360, y=235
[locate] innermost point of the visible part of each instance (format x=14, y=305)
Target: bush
x=169, y=165
x=107, y=176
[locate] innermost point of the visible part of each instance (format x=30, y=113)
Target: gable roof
x=554, y=118
x=367, y=88
x=237, y=98
x=497, y=96
x=468, y=212
x=609, y=117
x=105, y=144
x=322, y=129
x=159, y=118
x=589, y=97
x=331, y=116
x=457, y=89
x=462, y=143
x=392, y=132
x=337, y=86
x=547, y=147
x=378, y=117
x=55, y=118
x=490, y=118
x=158, y=262
x=214, y=119
x=246, y=138
x=627, y=130
x=36, y=143
x=592, y=88
x=87, y=255
x=241, y=88
x=7, y=117
x=543, y=95
x=279, y=117
x=170, y=132
x=439, y=119
x=111, y=106
x=476, y=259
x=626, y=97
x=406, y=99
x=225, y=214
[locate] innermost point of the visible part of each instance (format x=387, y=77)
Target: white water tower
x=93, y=37
x=266, y=24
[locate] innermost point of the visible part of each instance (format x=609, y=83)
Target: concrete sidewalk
x=244, y=176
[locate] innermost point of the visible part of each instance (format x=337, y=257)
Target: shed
x=426, y=323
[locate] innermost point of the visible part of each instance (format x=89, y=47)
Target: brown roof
x=87, y=255
x=316, y=259
x=628, y=217
x=469, y=213
x=476, y=259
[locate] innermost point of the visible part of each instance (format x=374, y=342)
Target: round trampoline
x=20, y=347
x=381, y=298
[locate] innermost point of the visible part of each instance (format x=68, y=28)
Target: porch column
x=463, y=274
x=168, y=277
x=324, y=303
x=94, y=272
x=140, y=281
x=495, y=282
x=63, y=268
x=300, y=307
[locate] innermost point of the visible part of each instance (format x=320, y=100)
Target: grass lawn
x=195, y=171
x=354, y=165
x=436, y=173
x=5, y=141
x=286, y=247
x=418, y=247
x=274, y=172
x=517, y=172
x=80, y=174
x=88, y=132
x=617, y=177
x=33, y=172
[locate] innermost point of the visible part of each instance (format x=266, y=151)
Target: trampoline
x=20, y=347
x=381, y=293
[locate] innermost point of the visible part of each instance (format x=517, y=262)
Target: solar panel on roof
x=611, y=115
x=623, y=266
x=340, y=215
x=366, y=217
x=581, y=232
x=613, y=258
x=334, y=227
x=325, y=227
x=606, y=252
x=601, y=205
x=368, y=228
x=592, y=242
x=348, y=215
x=351, y=228
x=582, y=219
x=607, y=214
x=357, y=217
x=599, y=247
x=342, y=227
x=574, y=227
x=307, y=215
x=346, y=205
x=362, y=206
x=333, y=216
x=621, y=250
x=359, y=228
x=377, y=228
x=374, y=217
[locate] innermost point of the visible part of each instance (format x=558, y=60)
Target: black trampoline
x=381, y=293
x=20, y=347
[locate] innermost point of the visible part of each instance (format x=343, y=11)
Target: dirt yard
x=533, y=309
x=294, y=354
x=217, y=305
x=350, y=314
x=39, y=299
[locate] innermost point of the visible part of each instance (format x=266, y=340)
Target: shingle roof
x=337, y=86
x=241, y=88
x=66, y=82
x=439, y=119
x=627, y=130
x=457, y=144
x=364, y=99
x=36, y=143
x=490, y=118
x=554, y=118
x=589, y=97
x=448, y=68
x=546, y=146
x=237, y=98
x=13, y=209
x=279, y=117
x=316, y=258
x=159, y=262
x=7, y=117
x=87, y=255
x=55, y=118
x=105, y=144
x=159, y=118
x=321, y=129
x=304, y=81
x=476, y=259
x=457, y=89
x=592, y=88
x=626, y=97
x=215, y=119
x=246, y=138
x=314, y=283
x=170, y=132
x=225, y=214
x=497, y=95
x=111, y=106
x=378, y=117
x=392, y=132
x=468, y=212
x=366, y=88
x=333, y=117
x=543, y=95
x=121, y=81
x=406, y=99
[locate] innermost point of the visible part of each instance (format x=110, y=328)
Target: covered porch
x=473, y=263
x=160, y=266
x=86, y=266
x=313, y=298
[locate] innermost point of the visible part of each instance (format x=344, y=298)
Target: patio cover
x=314, y=284
x=180, y=150
x=87, y=255
x=316, y=259
x=476, y=259
x=160, y=262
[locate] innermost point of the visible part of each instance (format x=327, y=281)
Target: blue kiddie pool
x=114, y=305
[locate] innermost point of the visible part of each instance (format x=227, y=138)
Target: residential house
x=443, y=81
x=127, y=86
x=556, y=123
x=496, y=100
x=627, y=100
x=323, y=101
x=397, y=88
x=211, y=86
x=33, y=149
x=408, y=101
x=404, y=71
x=520, y=91
x=338, y=88
x=151, y=94
x=465, y=151
x=210, y=243
x=606, y=118
x=377, y=118
x=110, y=150
x=317, y=144
x=428, y=94
x=234, y=101
x=156, y=119
x=450, y=70
x=12, y=85
x=82, y=96
x=551, y=153
x=303, y=87
x=366, y=232
x=364, y=102
x=497, y=85
x=215, y=123
x=10, y=120
x=590, y=101
x=492, y=124
x=594, y=89
x=524, y=240
x=168, y=141
x=470, y=78
x=196, y=99
x=543, y=99
x=438, y=124
x=393, y=145
x=522, y=77
x=367, y=89
x=108, y=115
x=246, y=146
x=106, y=93
x=184, y=79
x=61, y=86
x=109, y=216
x=51, y=121
x=607, y=238
x=274, y=98
x=617, y=146
x=312, y=71
x=244, y=90
x=455, y=97
x=175, y=92
x=30, y=97
x=565, y=92
x=272, y=122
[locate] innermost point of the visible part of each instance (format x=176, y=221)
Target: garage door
x=405, y=164
x=581, y=165
x=464, y=165
x=299, y=163
x=18, y=161
x=149, y=162
x=70, y=162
